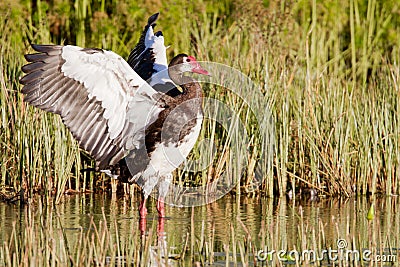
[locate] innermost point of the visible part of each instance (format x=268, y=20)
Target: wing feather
x=135, y=57
x=48, y=95
x=99, y=97
x=99, y=132
x=149, y=56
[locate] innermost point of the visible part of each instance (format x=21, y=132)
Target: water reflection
x=226, y=230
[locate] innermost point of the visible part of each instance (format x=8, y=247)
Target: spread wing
x=142, y=57
x=149, y=57
x=104, y=103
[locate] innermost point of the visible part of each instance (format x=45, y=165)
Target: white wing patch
x=160, y=54
x=160, y=51
x=110, y=80
x=143, y=110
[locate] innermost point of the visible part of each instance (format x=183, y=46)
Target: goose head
x=183, y=63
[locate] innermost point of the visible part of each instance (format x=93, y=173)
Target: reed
x=327, y=70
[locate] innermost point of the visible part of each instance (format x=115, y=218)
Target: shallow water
x=219, y=229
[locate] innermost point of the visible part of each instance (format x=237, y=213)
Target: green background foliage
x=328, y=69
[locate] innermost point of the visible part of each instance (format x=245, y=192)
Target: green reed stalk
x=331, y=82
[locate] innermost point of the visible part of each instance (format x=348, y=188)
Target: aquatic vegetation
x=331, y=82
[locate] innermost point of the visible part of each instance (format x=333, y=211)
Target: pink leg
x=142, y=226
x=160, y=207
x=142, y=208
x=160, y=226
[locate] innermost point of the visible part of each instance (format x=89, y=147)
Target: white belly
x=167, y=157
